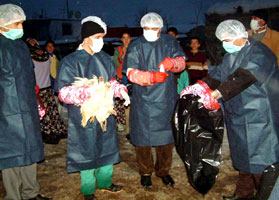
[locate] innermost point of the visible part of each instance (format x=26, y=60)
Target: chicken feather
x=100, y=104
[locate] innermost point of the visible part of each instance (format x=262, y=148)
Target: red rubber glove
x=146, y=78
x=173, y=64
x=158, y=77
x=208, y=101
x=201, y=89
x=167, y=63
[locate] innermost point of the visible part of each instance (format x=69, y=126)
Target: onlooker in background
x=261, y=32
x=173, y=31
x=50, y=47
x=196, y=63
x=21, y=144
x=120, y=53
x=90, y=150
x=247, y=81
x=52, y=127
x=118, y=59
x=153, y=96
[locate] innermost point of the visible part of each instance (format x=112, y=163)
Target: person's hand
x=125, y=96
x=206, y=98
x=209, y=101
x=196, y=89
x=159, y=77
x=167, y=63
x=215, y=94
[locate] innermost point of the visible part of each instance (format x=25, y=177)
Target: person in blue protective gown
x=247, y=83
x=21, y=144
x=149, y=63
x=90, y=150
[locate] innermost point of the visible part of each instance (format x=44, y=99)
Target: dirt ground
x=56, y=183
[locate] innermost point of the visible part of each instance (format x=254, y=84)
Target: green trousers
x=102, y=175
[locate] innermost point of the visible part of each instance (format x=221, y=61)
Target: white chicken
x=100, y=104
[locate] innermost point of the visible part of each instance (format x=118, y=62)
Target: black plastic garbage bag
x=267, y=183
x=198, y=135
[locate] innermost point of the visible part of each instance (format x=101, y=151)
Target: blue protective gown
x=152, y=107
x=20, y=135
x=252, y=116
x=88, y=147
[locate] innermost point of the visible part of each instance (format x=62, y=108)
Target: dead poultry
x=100, y=104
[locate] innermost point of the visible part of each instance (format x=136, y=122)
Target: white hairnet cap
x=152, y=20
x=96, y=20
x=10, y=13
x=231, y=29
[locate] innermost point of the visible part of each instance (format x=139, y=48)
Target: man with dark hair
x=196, y=63
x=260, y=31
x=173, y=31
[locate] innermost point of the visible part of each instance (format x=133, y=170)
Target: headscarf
x=37, y=53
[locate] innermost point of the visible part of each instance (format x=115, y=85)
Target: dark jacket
x=251, y=115
x=21, y=139
x=88, y=147
x=152, y=106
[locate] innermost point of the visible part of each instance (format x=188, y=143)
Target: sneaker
x=113, y=188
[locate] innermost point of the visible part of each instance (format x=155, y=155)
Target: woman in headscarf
x=52, y=127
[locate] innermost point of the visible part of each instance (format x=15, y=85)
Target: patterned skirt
x=120, y=109
x=52, y=127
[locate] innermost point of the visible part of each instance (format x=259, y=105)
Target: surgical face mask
x=254, y=24
x=150, y=35
x=230, y=47
x=97, y=45
x=13, y=34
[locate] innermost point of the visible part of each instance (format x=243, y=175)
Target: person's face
x=195, y=45
x=153, y=29
x=50, y=47
x=126, y=39
x=95, y=36
x=237, y=42
x=261, y=22
x=15, y=25
x=172, y=33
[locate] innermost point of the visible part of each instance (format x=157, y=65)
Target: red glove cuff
x=179, y=64
x=140, y=77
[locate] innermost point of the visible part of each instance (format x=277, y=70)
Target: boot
x=146, y=181
x=167, y=180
